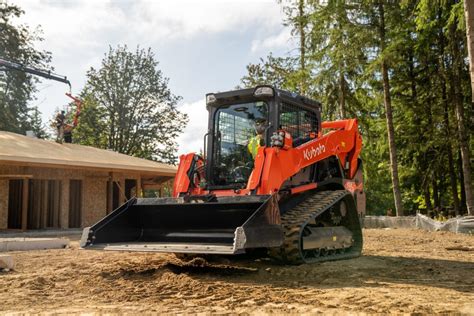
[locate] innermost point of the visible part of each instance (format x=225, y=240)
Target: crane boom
x=48, y=74
x=34, y=71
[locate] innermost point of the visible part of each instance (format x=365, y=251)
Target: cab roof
x=247, y=94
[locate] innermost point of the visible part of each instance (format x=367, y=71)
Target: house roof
x=16, y=148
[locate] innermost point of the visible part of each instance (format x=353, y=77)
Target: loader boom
x=274, y=165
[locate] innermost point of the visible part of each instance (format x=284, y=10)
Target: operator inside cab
x=259, y=139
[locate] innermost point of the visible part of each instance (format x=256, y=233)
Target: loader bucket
x=227, y=225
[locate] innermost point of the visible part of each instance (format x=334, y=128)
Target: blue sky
x=202, y=46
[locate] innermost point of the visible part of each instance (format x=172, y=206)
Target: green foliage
x=17, y=88
x=336, y=53
x=278, y=71
x=91, y=120
x=129, y=108
x=343, y=58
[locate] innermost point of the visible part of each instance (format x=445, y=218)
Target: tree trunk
x=466, y=157
x=426, y=193
x=449, y=134
x=389, y=116
x=453, y=180
x=301, y=26
x=449, y=151
x=112, y=130
x=342, y=93
x=436, y=202
x=342, y=79
x=462, y=206
x=469, y=14
x=462, y=132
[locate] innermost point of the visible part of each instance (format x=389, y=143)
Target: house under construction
x=44, y=184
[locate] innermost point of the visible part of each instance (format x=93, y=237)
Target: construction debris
x=6, y=262
x=22, y=244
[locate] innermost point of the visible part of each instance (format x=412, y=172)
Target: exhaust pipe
x=227, y=225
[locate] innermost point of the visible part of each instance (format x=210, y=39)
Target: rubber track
x=294, y=220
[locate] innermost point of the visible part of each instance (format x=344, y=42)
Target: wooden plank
x=75, y=203
x=155, y=187
x=16, y=176
x=24, y=205
x=31, y=204
x=54, y=203
x=65, y=203
x=139, y=189
x=58, y=223
x=37, y=203
x=50, y=203
x=121, y=192
x=110, y=195
x=57, y=199
x=45, y=204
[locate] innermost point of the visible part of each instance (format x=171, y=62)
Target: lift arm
x=343, y=140
x=34, y=71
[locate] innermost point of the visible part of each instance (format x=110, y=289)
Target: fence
x=463, y=225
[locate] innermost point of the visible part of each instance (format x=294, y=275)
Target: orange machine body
x=275, y=165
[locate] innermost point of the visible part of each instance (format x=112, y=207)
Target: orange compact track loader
x=273, y=176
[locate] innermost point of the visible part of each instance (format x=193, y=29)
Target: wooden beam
x=154, y=186
x=122, y=192
x=56, y=203
x=44, y=206
x=65, y=200
x=16, y=176
x=469, y=18
x=36, y=206
x=139, y=189
x=110, y=193
x=97, y=177
x=24, y=204
x=149, y=171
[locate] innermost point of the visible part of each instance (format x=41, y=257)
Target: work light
x=210, y=98
x=263, y=92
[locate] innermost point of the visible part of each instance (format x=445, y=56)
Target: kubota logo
x=312, y=152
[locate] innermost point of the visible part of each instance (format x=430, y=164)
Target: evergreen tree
x=17, y=88
x=337, y=42
x=400, y=69
x=277, y=71
x=449, y=15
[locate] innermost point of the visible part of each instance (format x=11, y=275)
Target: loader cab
x=242, y=119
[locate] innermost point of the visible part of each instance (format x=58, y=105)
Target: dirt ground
x=401, y=271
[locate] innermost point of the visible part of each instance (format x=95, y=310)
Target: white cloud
x=279, y=40
x=78, y=33
x=192, y=140
x=184, y=18
x=70, y=24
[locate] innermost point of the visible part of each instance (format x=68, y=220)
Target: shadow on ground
x=366, y=271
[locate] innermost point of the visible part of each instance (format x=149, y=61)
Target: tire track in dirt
x=403, y=271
